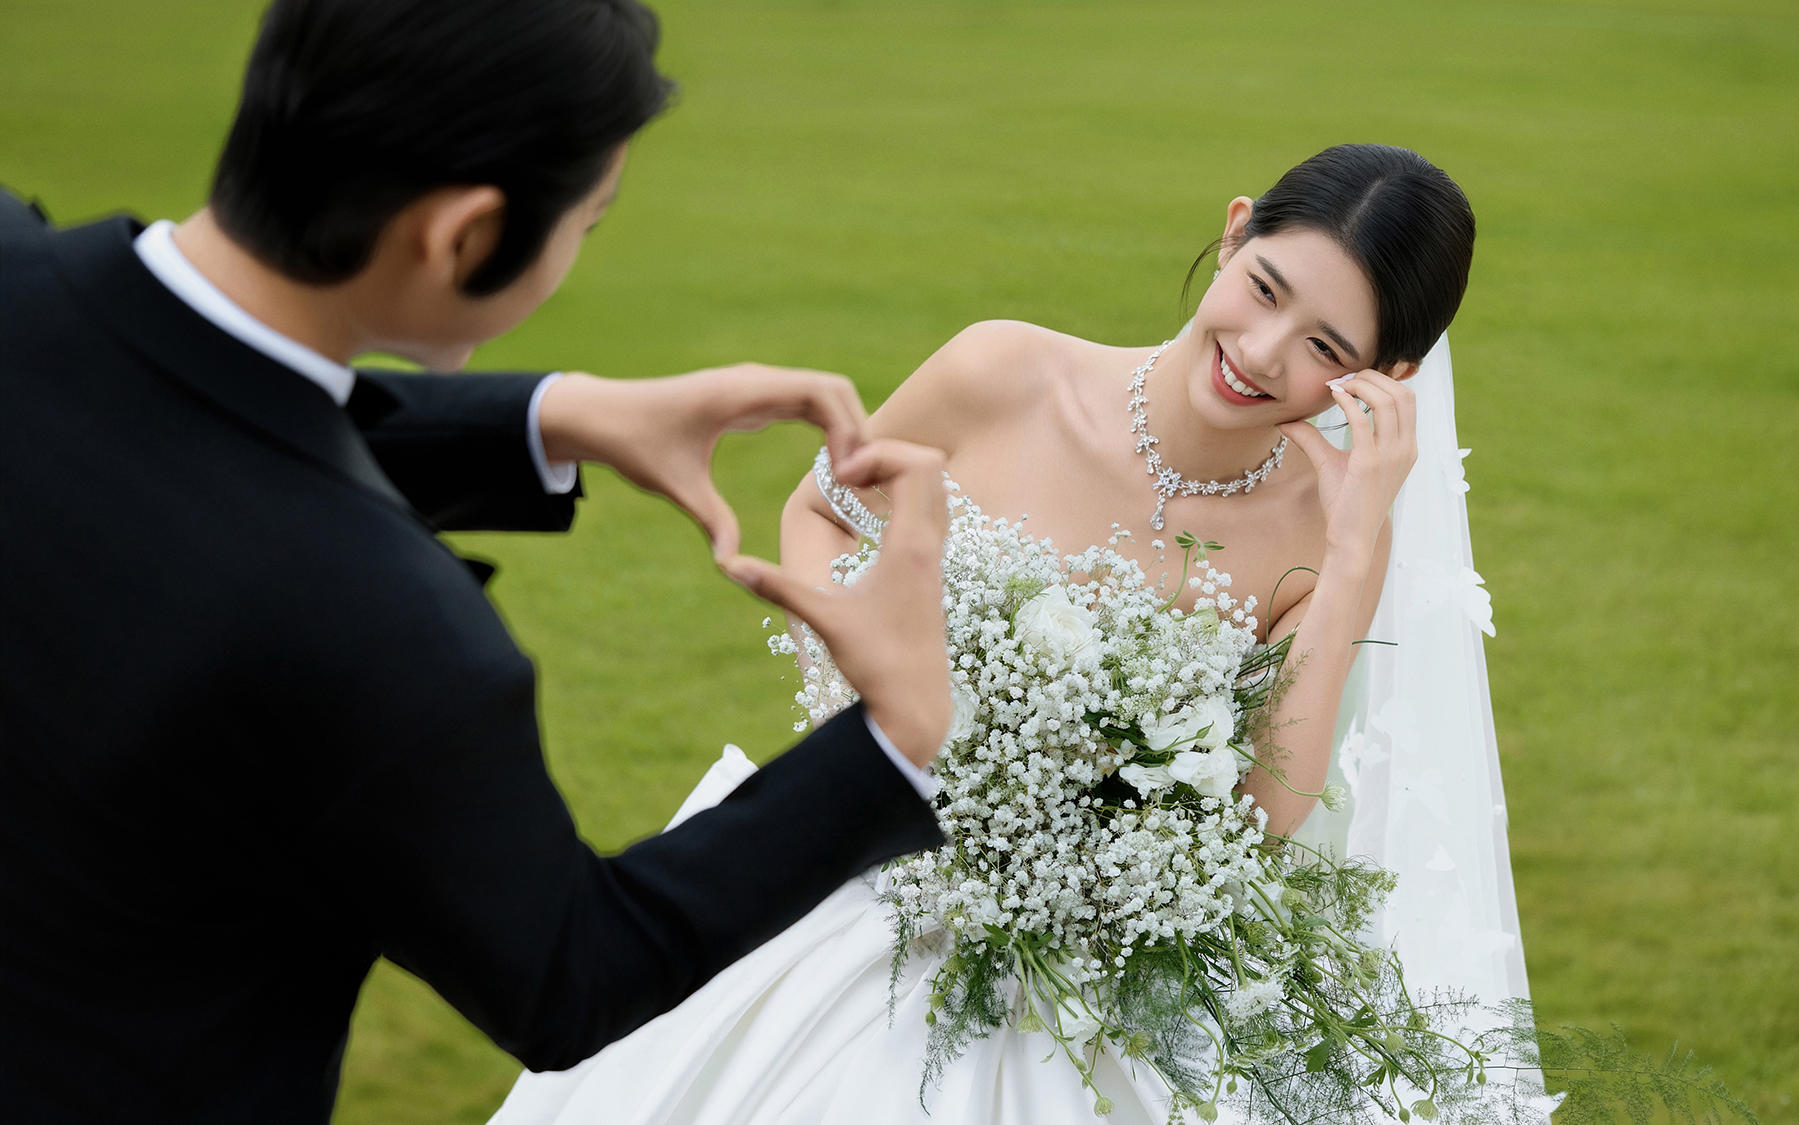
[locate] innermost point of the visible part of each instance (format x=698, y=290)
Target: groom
x=257, y=726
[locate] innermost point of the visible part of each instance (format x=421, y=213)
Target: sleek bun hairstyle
x=353, y=109
x=1405, y=223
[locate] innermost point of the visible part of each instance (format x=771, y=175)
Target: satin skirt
x=801, y=1031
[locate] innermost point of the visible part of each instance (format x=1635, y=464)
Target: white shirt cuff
x=918, y=779
x=560, y=476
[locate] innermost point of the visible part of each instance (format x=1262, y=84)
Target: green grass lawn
x=845, y=184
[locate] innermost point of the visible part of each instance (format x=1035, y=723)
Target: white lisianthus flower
x=1206, y=725
x=1055, y=626
x=1074, y=1021
x=1212, y=772
x=1147, y=780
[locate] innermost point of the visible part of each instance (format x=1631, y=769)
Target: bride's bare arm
x=1325, y=625
x=1356, y=489
x=978, y=375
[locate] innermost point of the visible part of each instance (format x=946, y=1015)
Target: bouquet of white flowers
x=1103, y=882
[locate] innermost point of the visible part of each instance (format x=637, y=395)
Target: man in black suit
x=258, y=726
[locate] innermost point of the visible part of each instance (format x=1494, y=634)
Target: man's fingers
x=715, y=518
x=828, y=401
x=843, y=418
x=910, y=475
x=772, y=584
x=888, y=460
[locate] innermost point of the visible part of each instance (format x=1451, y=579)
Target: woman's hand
x=1356, y=487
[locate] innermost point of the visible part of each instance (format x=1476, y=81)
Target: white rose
x=961, y=722
x=1205, y=725
x=1074, y=1021
x=1055, y=626
x=1146, y=779
x=1247, y=904
x=1212, y=772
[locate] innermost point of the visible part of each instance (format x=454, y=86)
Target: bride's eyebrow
x=1335, y=335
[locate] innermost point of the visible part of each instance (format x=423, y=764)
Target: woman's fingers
x=1389, y=424
x=1361, y=428
x=1406, y=401
x=1317, y=448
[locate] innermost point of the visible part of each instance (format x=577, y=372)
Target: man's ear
x=1236, y=218
x=458, y=229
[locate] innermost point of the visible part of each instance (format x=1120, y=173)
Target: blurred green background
x=844, y=185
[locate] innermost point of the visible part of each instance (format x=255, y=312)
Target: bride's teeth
x=1239, y=386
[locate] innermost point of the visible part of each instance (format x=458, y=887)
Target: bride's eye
x=1262, y=288
x=1325, y=351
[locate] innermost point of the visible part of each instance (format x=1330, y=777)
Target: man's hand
x=660, y=434
x=885, y=632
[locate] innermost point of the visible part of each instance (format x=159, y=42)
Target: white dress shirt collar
x=156, y=247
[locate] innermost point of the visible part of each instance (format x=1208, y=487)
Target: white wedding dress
x=801, y=1031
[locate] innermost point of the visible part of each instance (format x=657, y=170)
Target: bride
x=1332, y=289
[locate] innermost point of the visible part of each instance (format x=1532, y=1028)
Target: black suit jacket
x=259, y=727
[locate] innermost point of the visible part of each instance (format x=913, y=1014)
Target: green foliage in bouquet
x=1605, y=1081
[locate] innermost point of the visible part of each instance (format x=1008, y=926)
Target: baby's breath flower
x=1095, y=840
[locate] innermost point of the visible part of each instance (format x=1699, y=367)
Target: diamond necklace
x=1170, y=483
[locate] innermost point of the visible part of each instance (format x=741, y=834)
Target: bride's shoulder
x=1007, y=357
x=993, y=368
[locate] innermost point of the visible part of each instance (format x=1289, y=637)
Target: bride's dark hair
x=1405, y=223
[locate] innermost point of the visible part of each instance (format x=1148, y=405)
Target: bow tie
x=369, y=403
x=480, y=568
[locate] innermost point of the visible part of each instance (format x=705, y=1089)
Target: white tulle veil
x=1416, y=748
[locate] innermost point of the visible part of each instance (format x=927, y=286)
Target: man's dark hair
x=353, y=109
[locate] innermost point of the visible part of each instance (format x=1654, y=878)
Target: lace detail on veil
x=844, y=501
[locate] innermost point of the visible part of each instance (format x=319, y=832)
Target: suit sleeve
x=456, y=448
x=475, y=879
x=18, y=216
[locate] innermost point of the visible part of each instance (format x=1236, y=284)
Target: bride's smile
x=1287, y=313
x=1233, y=383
